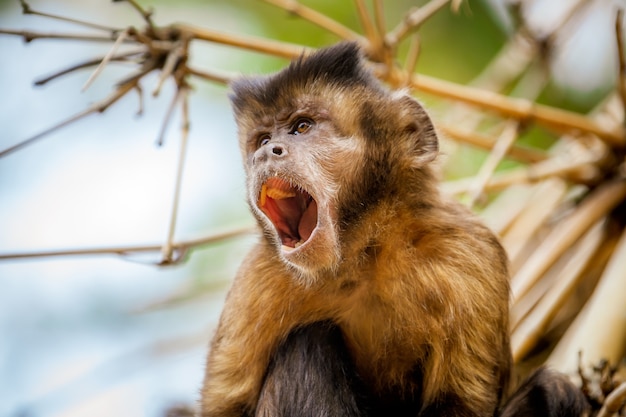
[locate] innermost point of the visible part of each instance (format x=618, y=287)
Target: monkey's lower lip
x=292, y=211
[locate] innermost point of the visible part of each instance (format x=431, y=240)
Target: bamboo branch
x=317, y=18
x=27, y=9
x=270, y=47
x=614, y=401
x=599, y=331
x=530, y=330
x=366, y=23
x=413, y=20
x=525, y=110
x=597, y=205
x=30, y=36
x=498, y=152
x=120, y=57
x=128, y=250
x=98, y=107
x=621, y=70
x=118, y=42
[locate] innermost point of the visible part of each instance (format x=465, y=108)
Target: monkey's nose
x=278, y=150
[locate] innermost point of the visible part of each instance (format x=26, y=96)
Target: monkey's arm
x=258, y=315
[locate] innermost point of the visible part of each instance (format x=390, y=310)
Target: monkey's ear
x=418, y=129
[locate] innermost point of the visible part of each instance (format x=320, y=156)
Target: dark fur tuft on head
x=339, y=66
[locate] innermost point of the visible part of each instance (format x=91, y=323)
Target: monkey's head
x=323, y=143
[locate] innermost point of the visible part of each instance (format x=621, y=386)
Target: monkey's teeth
x=278, y=194
x=288, y=248
x=298, y=244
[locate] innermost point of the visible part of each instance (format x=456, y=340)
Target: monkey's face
x=295, y=160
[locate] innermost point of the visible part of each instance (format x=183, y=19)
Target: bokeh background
x=105, y=335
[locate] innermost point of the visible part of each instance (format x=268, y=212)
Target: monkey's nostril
x=277, y=150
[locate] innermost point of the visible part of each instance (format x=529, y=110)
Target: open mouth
x=292, y=211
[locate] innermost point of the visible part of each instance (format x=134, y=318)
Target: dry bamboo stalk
x=506, y=207
x=583, y=169
x=599, y=331
x=529, y=331
x=413, y=20
x=613, y=402
x=593, y=208
x=252, y=43
x=127, y=250
x=366, y=23
x=317, y=18
x=509, y=135
x=543, y=201
x=464, y=135
x=561, y=120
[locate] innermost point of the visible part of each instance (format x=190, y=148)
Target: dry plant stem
x=519, y=153
x=556, y=167
x=168, y=117
x=86, y=64
x=379, y=18
x=522, y=109
x=508, y=136
x=168, y=249
x=118, y=42
x=316, y=18
x=174, y=57
x=366, y=23
x=30, y=36
x=213, y=76
x=146, y=15
x=621, y=73
x=276, y=48
x=413, y=20
x=98, y=107
x=506, y=207
x=595, y=206
x=26, y=9
x=542, y=204
x=614, y=401
x=599, y=331
x=413, y=54
x=531, y=329
x=130, y=249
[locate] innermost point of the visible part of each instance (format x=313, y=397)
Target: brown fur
x=417, y=286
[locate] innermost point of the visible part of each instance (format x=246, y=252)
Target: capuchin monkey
x=369, y=293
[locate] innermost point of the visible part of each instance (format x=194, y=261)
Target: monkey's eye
x=264, y=139
x=301, y=126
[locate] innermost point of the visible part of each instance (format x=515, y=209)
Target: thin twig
x=502, y=146
x=126, y=250
x=118, y=42
x=413, y=20
x=94, y=108
x=379, y=18
x=366, y=23
x=167, y=250
x=410, y=64
x=177, y=52
x=145, y=14
x=120, y=57
x=520, y=153
x=221, y=77
x=621, y=73
x=30, y=36
x=26, y=9
x=168, y=117
x=317, y=18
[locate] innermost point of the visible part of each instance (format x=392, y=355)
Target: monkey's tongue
x=293, y=212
